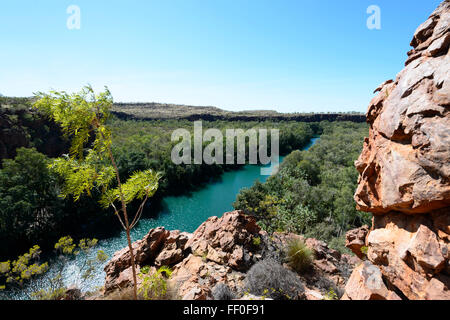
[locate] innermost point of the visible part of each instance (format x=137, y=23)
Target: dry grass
x=299, y=256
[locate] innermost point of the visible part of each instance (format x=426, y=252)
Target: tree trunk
x=133, y=267
x=127, y=225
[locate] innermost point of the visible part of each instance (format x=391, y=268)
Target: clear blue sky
x=291, y=56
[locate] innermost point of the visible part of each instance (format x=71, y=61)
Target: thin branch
x=116, y=212
x=138, y=215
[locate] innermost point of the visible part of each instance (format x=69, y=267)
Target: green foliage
x=139, y=185
x=256, y=241
x=28, y=190
x=299, y=256
x=312, y=193
x=82, y=177
x=79, y=114
x=331, y=295
x=23, y=268
x=154, y=286
x=364, y=250
x=139, y=145
x=82, y=116
x=65, y=245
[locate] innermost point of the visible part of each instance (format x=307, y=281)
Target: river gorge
x=184, y=213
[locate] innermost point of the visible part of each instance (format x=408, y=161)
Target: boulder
x=215, y=252
x=159, y=247
x=321, y=249
x=409, y=254
x=355, y=239
x=72, y=293
x=366, y=283
x=226, y=240
x=173, y=249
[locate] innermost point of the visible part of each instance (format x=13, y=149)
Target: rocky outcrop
x=222, y=250
x=355, y=240
x=158, y=247
x=404, y=165
x=163, y=111
x=220, y=247
x=405, y=176
x=226, y=240
x=366, y=283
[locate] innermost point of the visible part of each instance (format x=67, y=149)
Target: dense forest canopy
x=312, y=193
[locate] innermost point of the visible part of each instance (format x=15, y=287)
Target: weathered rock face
x=366, y=283
x=221, y=250
x=404, y=165
x=158, y=247
x=226, y=240
x=405, y=176
x=356, y=239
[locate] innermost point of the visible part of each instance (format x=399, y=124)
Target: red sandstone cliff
x=405, y=176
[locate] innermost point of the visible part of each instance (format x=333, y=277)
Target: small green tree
x=83, y=117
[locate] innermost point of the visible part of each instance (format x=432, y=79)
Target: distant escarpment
x=405, y=176
x=227, y=254
x=159, y=111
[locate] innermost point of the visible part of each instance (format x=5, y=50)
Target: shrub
x=222, y=292
x=271, y=279
x=154, y=286
x=299, y=256
x=331, y=295
x=329, y=289
x=256, y=241
x=364, y=250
